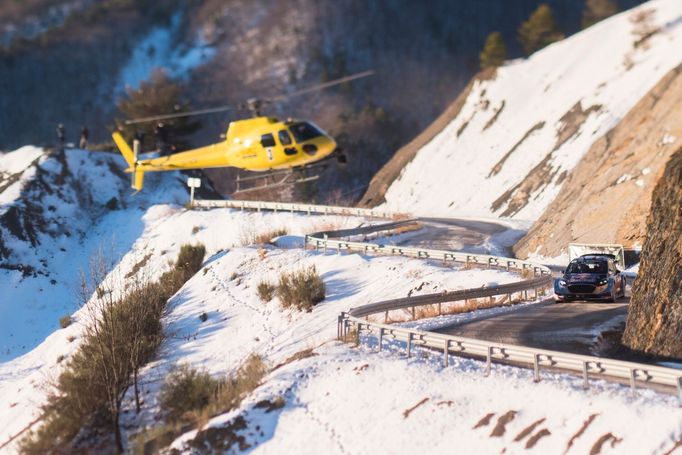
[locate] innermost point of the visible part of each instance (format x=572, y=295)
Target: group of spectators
x=82, y=142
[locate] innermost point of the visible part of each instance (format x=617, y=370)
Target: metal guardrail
x=293, y=207
x=587, y=366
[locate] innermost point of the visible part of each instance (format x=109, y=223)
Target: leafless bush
x=122, y=330
x=302, y=289
x=265, y=291
x=193, y=396
x=65, y=321
x=266, y=237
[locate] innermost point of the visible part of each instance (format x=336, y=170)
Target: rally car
x=591, y=276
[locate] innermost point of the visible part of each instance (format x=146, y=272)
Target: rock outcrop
x=654, y=322
x=607, y=197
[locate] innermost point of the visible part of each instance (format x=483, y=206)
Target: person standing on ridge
x=61, y=134
x=83, y=143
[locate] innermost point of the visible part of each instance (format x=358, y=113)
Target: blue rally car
x=590, y=276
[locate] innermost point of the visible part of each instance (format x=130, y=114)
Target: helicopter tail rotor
x=130, y=155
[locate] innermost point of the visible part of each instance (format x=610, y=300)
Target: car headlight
x=562, y=282
x=603, y=282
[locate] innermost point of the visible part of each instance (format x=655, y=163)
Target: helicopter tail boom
x=124, y=148
x=131, y=158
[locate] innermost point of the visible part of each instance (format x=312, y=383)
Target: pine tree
x=597, y=10
x=494, y=51
x=539, y=30
x=158, y=96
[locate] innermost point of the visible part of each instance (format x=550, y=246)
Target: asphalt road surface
x=568, y=327
x=472, y=236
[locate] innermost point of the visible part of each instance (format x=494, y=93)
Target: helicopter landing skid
x=278, y=179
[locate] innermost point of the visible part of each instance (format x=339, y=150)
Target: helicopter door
x=268, y=141
x=286, y=141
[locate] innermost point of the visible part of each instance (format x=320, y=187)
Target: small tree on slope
x=598, y=10
x=494, y=51
x=539, y=30
x=157, y=96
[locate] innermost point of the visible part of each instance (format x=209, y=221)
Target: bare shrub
x=400, y=216
x=65, y=321
x=121, y=333
x=265, y=291
x=187, y=390
x=407, y=228
x=266, y=237
x=302, y=289
x=193, y=396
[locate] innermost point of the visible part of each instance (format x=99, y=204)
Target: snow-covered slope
x=519, y=134
x=56, y=211
x=332, y=400
x=345, y=400
x=142, y=236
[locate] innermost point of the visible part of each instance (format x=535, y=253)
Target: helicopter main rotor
x=253, y=105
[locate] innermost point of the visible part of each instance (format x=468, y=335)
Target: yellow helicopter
x=284, y=150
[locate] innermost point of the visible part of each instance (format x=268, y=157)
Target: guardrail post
x=339, y=321
x=357, y=334
x=325, y=244
x=409, y=345
x=414, y=314
x=633, y=376
x=439, y=309
x=536, y=367
x=345, y=330
x=586, y=382
x=446, y=353
x=386, y=317
x=381, y=338
x=679, y=389
x=525, y=294
x=488, y=361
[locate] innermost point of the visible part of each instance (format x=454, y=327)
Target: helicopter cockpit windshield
x=304, y=131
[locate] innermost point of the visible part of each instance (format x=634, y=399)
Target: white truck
x=578, y=249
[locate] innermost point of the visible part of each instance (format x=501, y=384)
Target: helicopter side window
x=267, y=140
x=284, y=137
x=304, y=131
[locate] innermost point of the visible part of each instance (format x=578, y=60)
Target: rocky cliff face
x=654, y=322
x=607, y=197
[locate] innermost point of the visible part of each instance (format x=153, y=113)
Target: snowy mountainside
x=57, y=210
x=336, y=395
x=334, y=398
x=141, y=238
x=518, y=134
